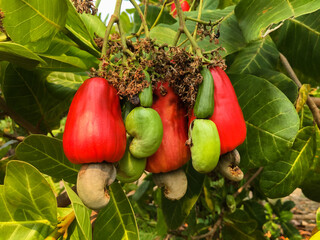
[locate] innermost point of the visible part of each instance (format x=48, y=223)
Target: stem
x=205, y=22
x=11, y=136
x=114, y=18
x=183, y=29
x=198, y=18
x=312, y=106
x=215, y=227
x=143, y=20
x=159, y=15
x=244, y=186
x=316, y=100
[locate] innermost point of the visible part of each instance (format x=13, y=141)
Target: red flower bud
x=94, y=130
x=227, y=114
x=172, y=153
x=184, y=5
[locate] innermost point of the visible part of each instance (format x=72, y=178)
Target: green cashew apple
x=130, y=168
x=205, y=145
x=145, y=126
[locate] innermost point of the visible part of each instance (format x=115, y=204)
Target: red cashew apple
x=184, y=5
x=227, y=114
x=172, y=153
x=95, y=136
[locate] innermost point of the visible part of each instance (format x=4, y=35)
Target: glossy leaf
x=283, y=177
x=255, y=16
x=257, y=55
x=82, y=214
x=116, y=221
x=63, y=63
x=93, y=24
x=18, y=223
x=47, y=155
x=281, y=81
x=272, y=121
x=34, y=23
x=25, y=188
x=77, y=29
x=18, y=54
x=175, y=212
x=303, y=52
x=25, y=94
x=240, y=224
x=63, y=85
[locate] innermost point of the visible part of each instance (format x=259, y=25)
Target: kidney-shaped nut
x=175, y=183
x=145, y=126
x=228, y=166
x=92, y=181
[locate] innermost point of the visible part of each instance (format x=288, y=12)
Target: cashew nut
x=92, y=181
x=175, y=183
x=228, y=166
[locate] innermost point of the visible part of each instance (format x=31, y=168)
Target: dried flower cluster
x=86, y=6
x=164, y=64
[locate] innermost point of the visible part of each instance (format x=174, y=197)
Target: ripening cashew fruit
x=172, y=153
x=95, y=134
x=145, y=126
x=204, y=105
x=145, y=96
x=129, y=168
x=166, y=162
x=227, y=114
x=228, y=166
x=204, y=145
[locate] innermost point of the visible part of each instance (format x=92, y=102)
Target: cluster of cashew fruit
x=153, y=136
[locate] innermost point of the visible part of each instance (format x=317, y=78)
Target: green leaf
x=255, y=16
x=175, y=212
x=17, y=223
x=93, y=24
x=255, y=57
x=116, y=221
x=316, y=161
x=25, y=188
x=256, y=211
x=78, y=30
x=63, y=63
x=298, y=40
x=162, y=34
x=240, y=224
x=46, y=154
x=34, y=23
x=310, y=186
x=63, y=85
x=19, y=55
x=283, y=177
x=82, y=214
x=25, y=94
x=271, y=119
x=281, y=81
x=210, y=4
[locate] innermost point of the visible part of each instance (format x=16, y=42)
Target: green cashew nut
x=146, y=95
x=130, y=168
x=204, y=105
x=145, y=126
x=205, y=145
